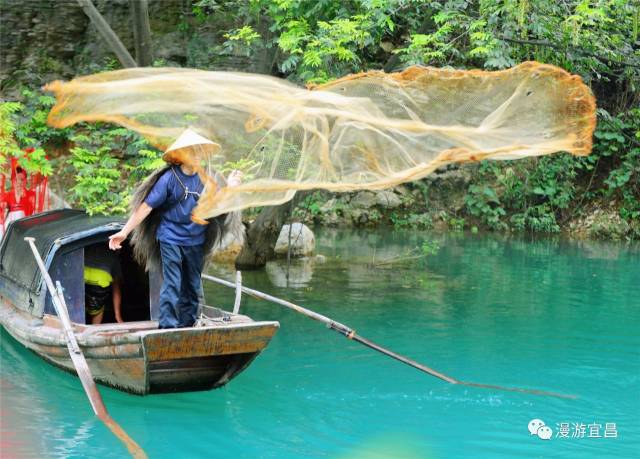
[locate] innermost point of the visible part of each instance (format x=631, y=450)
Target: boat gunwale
x=46, y=332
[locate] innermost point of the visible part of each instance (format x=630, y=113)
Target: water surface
x=548, y=314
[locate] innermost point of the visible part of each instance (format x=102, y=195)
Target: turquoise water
x=547, y=314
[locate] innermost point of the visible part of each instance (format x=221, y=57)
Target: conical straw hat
x=189, y=138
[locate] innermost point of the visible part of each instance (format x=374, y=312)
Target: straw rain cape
x=367, y=131
x=146, y=249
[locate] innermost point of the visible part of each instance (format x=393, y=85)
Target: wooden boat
x=134, y=356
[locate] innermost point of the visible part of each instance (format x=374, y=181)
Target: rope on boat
x=352, y=335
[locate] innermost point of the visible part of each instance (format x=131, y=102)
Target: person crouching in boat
x=102, y=280
x=164, y=235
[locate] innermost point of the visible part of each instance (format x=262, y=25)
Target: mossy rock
x=608, y=225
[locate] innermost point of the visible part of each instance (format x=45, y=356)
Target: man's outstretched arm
x=116, y=240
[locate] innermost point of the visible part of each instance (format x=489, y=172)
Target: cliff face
x=44, y=40
x=39, y=37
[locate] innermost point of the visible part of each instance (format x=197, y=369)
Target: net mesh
x=366, y=131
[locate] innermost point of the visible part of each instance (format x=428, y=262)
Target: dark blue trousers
x=181, y=270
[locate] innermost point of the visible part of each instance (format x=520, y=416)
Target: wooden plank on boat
x=206, y=341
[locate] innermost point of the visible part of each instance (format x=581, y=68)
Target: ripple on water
x=547, y=314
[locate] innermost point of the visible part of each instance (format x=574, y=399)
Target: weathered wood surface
x=199, y=342
x=117, y=357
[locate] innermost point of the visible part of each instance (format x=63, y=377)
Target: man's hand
x=116, y=240
x=235, y=178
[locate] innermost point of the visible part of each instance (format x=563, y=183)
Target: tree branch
x=141, y=31
x=108, y=34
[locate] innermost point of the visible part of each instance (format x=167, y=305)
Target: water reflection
x=296, y=274
x=543, y=313
x=34, y=400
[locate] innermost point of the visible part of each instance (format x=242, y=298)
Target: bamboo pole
x=79, y=361
x=352, y=335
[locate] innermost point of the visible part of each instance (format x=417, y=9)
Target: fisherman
x=102, y=280
x=169, y=234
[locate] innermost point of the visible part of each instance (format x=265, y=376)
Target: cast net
x=367, y=131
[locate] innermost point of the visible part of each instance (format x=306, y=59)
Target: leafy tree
x=314, y=41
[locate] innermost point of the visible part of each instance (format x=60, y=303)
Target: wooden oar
x=79, y=362
x=352, y=335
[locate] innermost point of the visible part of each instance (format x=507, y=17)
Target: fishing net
x=367, y=131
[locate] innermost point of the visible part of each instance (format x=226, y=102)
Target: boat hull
x=138, y=358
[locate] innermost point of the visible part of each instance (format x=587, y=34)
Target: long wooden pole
x=352, y=335
x=79, y=362
x=107, y=33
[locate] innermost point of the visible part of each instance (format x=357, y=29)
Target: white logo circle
x=538, y=427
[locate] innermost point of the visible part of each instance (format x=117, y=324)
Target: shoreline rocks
x=303, y=241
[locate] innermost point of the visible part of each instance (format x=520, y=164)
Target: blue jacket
x=176, y=194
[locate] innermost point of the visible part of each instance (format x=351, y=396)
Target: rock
x=331, y=219
x=171, y=46
x=388, y=199
x=606, y=225
x=387, y=46
x=329, y=205
x=364, y=200
x=351, y=216
x=402, y=190
x=303, y=242
x=356, y=217
x=228, y=249
x=452, y=178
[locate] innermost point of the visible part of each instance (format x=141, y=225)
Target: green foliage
x=482, y=201
x=588, y=37
x=313, y=203
x=456, y=224
x=16, y=135
x=97, y=177
x=619, y=137
x=538, y=218
x=243, y=165
x=328, y=49
x=309, y=40
x=430, y=247
x=313, y=41
x=108, y=163
x=536, y=194
x=411, y=221
x=244, y=34
x=241, y=41
x=8, y=145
